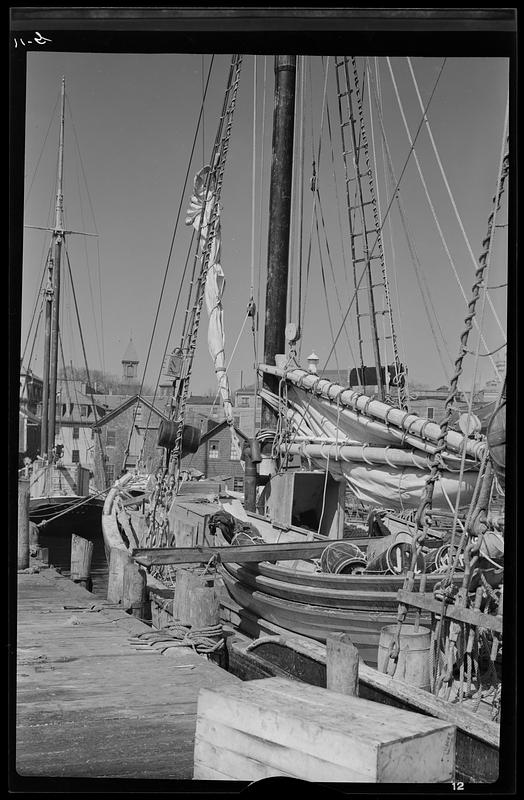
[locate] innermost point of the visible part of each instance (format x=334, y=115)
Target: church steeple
x=130, y=363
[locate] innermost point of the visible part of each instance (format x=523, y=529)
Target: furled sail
x=382, y=452
x=199, y=216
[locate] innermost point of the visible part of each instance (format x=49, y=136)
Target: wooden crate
x=276, y=726
x=188, y=520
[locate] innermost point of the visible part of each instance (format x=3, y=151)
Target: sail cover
x=382, y=452
x=199, y=216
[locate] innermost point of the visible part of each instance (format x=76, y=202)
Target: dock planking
x=89, y=705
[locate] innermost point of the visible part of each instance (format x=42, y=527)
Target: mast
x=279, y=222
x=48, y=298
x=58, y=234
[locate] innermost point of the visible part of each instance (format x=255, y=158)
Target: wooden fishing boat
x=317, y=438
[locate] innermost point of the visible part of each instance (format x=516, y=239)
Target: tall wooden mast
x=53, y=303
x=279, y=221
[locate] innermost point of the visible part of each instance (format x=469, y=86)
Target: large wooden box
x=188, y=519
x=276, y=726
x=306, y=499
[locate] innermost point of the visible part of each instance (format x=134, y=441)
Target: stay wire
x=386, y=215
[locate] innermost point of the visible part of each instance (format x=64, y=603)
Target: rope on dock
x=203, y=640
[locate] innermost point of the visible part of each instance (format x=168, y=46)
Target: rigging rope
x=386, y=216
x=470, y=318
x=430, y=203
x=168, y=263
x=446, y=183
x=425, y=292
x=166, y=484
x=75, y=138
x=97, y=429
x=378, y=227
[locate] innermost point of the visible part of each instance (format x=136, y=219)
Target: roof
x=200, y=400
x=128, y=403
x=246, y=389
x=130, y=355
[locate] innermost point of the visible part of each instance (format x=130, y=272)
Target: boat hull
x=42, y=508
x=316, y=612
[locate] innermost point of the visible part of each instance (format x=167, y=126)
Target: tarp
x=215, y=280
x=374, y=458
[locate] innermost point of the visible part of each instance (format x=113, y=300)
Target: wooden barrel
x=196, y=600
x=167, y=433
x=413, y=658
x=342, y=557
x=396, y=560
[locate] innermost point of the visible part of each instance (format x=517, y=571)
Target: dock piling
x=118, y=559
x=81, y=554
x=341, y=664
x=23, y=523
x=134, y=589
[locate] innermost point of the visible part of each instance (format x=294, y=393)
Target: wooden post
x=196, y=601
x=81, y=554
x=118, y=558
x=23, y=523
x=34, y=537
x=341, y=664
x=134, y=589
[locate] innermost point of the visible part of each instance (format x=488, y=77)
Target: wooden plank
x=88, y=703
x=289, y=760
x=458, y=613
x=236, y=554
x=236, y=766
x=131, y=501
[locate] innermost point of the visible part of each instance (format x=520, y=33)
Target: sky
x=129, y=130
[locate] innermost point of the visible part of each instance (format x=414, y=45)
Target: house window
x=430, y=412
x=110, y=473
x=243, y=401
x=111, y=438
x=84, y=410
x=238, y=484
x=76, y=433
x=213, y=449
x=75, y=456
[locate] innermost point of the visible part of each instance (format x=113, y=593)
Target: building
x=130, y=362
x=127, y=437
x=77, y=407
x=29, y=425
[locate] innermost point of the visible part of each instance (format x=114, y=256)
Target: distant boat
x=59, y=484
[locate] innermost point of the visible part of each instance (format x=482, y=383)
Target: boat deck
x=89, y=703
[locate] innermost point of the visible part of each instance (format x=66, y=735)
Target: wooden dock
x=90, y=702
